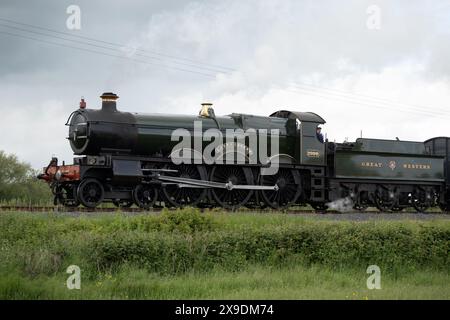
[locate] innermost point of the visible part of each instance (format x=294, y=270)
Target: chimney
x=205, y=110
x=109, y=101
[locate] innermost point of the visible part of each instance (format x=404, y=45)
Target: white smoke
x=341, y=205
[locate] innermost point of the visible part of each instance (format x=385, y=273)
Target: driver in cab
x=319, y=134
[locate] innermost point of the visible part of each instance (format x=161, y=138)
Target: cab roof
x=302, y=116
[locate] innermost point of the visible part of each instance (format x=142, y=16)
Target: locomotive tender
x=129, y=158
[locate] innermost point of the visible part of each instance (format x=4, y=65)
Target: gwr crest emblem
x=392, y=165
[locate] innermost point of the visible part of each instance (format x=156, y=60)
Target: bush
x=392, y=245
x=188, y=240
x=186, y=220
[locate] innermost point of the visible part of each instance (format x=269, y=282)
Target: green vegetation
x=18, y=183
x=255, y=282
x=188, y=254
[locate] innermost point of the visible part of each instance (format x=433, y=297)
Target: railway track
x=70, y=209
x=159, y=209
x=131, y=210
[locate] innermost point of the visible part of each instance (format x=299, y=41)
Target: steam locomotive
x=130, y=158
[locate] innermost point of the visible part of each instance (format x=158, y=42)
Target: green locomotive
x=236, y=160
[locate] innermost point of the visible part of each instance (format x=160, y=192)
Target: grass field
x=190, y=255
x=255, y=282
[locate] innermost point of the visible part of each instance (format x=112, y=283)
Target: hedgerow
x=187, y=240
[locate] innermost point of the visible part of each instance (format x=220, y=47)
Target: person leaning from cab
x=319, y=134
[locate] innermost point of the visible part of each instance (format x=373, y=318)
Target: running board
x=194, y=183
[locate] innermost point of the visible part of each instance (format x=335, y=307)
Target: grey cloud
x=268, y=43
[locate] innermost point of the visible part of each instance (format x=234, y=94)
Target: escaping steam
x=341, y=205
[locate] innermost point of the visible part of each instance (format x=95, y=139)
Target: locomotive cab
x=311, y=151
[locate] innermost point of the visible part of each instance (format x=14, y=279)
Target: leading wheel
x=144, y=196
x=90, y=192
x=66, y=195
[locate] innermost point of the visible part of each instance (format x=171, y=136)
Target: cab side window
x=319, y=134
x=440, y=147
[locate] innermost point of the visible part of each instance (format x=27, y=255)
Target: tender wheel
x=360, y=207
x=385, y=198
x=90, y=193
x=144, y=196
x=360, y=200
x=178, y=197
x=234, y=198
x=319, y=206
x=289, y=189
x=421, y=200
x=122, y=203
x=444, y=208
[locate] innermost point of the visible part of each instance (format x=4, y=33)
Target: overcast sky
x=382, y=67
